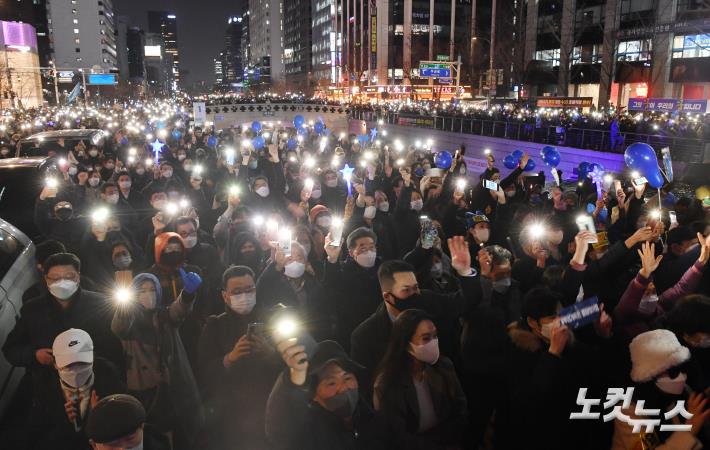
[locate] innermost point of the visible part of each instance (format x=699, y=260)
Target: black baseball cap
x=115, y=417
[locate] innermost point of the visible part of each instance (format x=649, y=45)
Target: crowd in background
x=212, y=292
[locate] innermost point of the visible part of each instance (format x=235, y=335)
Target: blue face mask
x=253, y=164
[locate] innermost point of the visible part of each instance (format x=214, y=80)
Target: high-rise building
x=122, y=24
x=158, y=65
x=244, y=43
x=219, y=77
x=83, y=34
x=232, y=55
x=326, y=42
x=135, y=46
x=266, y=40
x=165, y=24
x=297, y=44
x=20, y=80
x=617, y=50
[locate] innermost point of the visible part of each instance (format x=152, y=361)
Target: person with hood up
x=245, y=250
x=158, y=371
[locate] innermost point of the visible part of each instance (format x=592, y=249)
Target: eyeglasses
x=68, y=276
x=248, y=290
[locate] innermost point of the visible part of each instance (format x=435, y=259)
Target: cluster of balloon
x=513, y=160
x=583, y=170
x=256, y=127
x=291, y=144
x=318, y=127
x=443, y=160
x=550, y=156
x=641, y=157
x=298, y=121
x=258, y=142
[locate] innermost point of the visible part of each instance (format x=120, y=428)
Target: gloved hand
x=191, y=282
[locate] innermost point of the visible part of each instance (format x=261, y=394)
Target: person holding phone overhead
x=238, y=366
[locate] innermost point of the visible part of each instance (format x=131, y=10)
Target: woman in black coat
x=417, y=389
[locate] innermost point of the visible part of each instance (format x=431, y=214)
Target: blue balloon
x=160, y=124
x=302, y=131
x=552, y=158
x=258, y=142
x=318, y=127
x=298, y=121
x=547, y=149
x=291, y=144
x=124, y=140
x=510, y=162
x=583, y=170
x=530, y=165
x=443, y=160
x=212, y=141
x=642, y=157
x=177, y=134
x=517, y=154
x=256, y=126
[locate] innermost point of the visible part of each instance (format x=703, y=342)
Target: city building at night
x=20, y=80
x=266, y=39
x=233, y=65
x=165, y=24
x=297, y=44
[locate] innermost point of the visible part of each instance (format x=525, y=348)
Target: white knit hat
x=654, y=352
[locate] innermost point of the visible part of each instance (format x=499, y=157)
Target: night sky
x=201, y=27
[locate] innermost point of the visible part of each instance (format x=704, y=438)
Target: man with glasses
x=65, y=305
x=238, y=366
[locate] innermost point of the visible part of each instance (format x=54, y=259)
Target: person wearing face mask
x=163, y=176
x=158, y=371
x=66, y=402
x=399, y=290
x=413, y=372
x=543, y=369
x=262, y=198
x=317, y=404
x=641, y=305
x=658, y=372
x=245, y=250
x=200, y=254
x=353, y=283
x=479, y=231
x=128, y=193
x=407, y=213
x=65, y=305
x=107, y=171
x=291, y=281
x=320, y=217
x=119, y=422
x=554, y=238
x=333, y=192
x=238, y=365
x=111, y=198
x=56, y=218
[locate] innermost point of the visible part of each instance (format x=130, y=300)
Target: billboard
x=564, y=102
x=152, y=51
x=668, y=105
x=101, y=79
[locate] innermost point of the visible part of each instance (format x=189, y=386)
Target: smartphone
x=256, y=328
x=429, y=233
x=492, y=185
x=638, y=182
x=617, y=185
x=433, y=172
x=285, y=242
x=229, y=156
x=586, y=223
x=673, y=217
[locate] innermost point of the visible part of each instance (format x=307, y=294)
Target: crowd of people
x=212, y=293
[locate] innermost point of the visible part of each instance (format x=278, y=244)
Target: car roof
x=66, y=134
x=32, y=161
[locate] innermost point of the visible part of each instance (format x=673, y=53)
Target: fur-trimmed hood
x=524, y=339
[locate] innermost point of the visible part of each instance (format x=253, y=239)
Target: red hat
x=315, y=211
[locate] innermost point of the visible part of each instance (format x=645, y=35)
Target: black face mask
x=403, y=304
x=171, y=259
x=343, y=404
x=64, y=214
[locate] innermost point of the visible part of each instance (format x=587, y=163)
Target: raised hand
x=649, y=260
x=295, y=357
x=191, y=281
x=333, y=251
x=696, y=406
x=460, y=256
x=559, y=339
x=704, y=248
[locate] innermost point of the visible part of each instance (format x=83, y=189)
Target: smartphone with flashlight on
x=285, y=325
x=673, y=217
x=285, y=241
x=640, y=181
x=429, y=233
x=586, y=223
x=491, y=185
x=617, y=185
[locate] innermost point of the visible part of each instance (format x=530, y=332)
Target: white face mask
x=331, y=183
x=263, y=191
x=167, y=173
x=294, y=269
x=242, y=303
x=190, y=241
x=648, y=304
x=673, y=386
x=555, y=237
x=427, y=353
x=93, y=153
x=148, y=300
x=366, y=259
x=384, y=206
x=315, y=195
x=482, y=234
x=125, y=184
x=76, y=376
x=417, y=205
x=140, y=171
x=63, y=289
x=72, y=171
x=93, y=182
x=112, y=199
x=370, y=212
